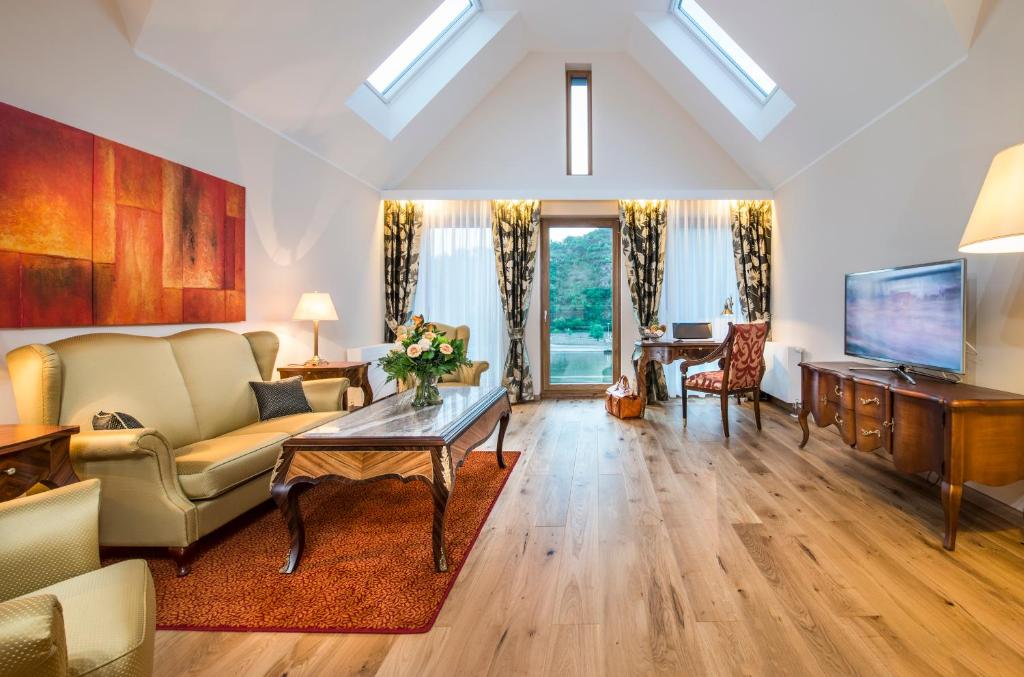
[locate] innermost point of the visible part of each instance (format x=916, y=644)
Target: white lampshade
x=997, y=222
x=315, y=306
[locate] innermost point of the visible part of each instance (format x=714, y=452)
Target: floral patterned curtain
x=752, y=250
x=402, y=224
x=642, y=229
x=516, y=227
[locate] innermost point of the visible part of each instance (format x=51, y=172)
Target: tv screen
x=912, y=315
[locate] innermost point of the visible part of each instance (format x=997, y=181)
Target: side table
x=355, y=372
x=34, y=454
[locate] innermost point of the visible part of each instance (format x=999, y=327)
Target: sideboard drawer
x=838, y=391
x=846, y=422
x=870, y=400
x=872, y=433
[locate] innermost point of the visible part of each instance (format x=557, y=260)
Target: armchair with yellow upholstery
x=60, y=612
x=203, y=457
x=468, y=375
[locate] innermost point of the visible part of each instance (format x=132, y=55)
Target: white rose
x=446, y=349
x=425, y=344
x=414, y=351
x=398, y=347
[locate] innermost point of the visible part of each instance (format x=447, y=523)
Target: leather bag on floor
x=621, y=401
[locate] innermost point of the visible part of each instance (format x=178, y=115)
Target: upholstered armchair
x=60, y=612
x=741, y=362
x=464, y=376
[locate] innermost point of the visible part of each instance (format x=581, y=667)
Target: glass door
x=580, y=306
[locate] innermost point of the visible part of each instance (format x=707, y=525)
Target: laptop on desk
x=691, y=331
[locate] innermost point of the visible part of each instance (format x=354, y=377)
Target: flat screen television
x=911, y=316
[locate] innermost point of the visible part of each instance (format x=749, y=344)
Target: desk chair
x=741, y=358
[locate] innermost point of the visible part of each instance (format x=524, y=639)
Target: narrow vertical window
x=578, y=119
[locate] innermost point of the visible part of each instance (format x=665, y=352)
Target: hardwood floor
x=634, y=547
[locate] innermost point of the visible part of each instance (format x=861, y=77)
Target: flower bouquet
x=422, y=351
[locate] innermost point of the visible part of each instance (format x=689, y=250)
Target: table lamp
x=996, y=225
x=315, y=306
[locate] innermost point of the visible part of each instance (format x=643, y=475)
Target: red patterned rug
x=367, y=566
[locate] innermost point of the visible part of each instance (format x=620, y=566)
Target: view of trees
x=581, y=294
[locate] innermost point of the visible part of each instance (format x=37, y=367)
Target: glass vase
x=426, y=393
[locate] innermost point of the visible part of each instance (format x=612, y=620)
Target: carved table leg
x=365, y=387
x=441, y=489
x=502, y=427
x=804, y=411
x=951, y=494
x=287, y=499
x=640, y=367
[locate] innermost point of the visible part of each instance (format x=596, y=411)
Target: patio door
x=579, y=306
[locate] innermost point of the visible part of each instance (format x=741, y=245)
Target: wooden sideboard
x=964, y=433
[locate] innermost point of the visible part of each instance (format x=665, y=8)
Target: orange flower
x=417, y=320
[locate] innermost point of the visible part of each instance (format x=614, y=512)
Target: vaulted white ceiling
x=295, y=67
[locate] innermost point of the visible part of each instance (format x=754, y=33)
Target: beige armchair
x=468, y=375
x=60, y=612
x=204, y=456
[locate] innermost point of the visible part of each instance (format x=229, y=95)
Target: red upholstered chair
x=741, y=358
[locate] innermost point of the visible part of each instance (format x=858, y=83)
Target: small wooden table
x=666, y=352
x=34, y=454
x=391, y=440
x=355, y=372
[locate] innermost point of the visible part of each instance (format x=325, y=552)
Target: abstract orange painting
x=96, y=233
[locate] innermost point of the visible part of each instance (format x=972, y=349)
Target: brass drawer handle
x=10, y=471
x=871, y=400
x=824, y=400
x=839, y=420
x=839, y=393
x=889, y=424
x=868, y=433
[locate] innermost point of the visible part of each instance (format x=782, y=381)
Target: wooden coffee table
x=391, y=440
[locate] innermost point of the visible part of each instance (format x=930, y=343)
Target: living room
x=602, y=276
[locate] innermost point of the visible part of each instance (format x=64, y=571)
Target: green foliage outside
x=581, y=294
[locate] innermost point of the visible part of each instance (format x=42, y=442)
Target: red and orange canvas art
x=96, y=233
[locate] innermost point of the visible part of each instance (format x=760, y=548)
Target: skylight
x=423, y=40
x=734, y=56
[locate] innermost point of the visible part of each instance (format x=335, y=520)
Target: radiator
x=782, y=371
x=376, y=375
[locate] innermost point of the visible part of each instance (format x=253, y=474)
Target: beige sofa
x=60, y=612
x=204, y=456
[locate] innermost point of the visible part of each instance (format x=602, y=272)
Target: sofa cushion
x=120, y=372
x=209, y=468
x=275, y=399
x=217, y=366
x=289, y=425
x=109, y=619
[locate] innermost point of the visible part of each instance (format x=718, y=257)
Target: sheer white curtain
x=699, y=270
x=457, y=281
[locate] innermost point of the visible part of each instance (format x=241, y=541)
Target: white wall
x=901, y=192
x=645, y=144
x=309, y=226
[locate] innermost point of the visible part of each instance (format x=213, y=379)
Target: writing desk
x=665, y=352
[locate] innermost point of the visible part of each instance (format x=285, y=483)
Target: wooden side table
x=356, y=372
x=34, y=454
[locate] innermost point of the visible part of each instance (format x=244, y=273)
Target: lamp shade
x=315, y=306
x=997, y=222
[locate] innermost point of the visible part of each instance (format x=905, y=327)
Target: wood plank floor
x=635, y=548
